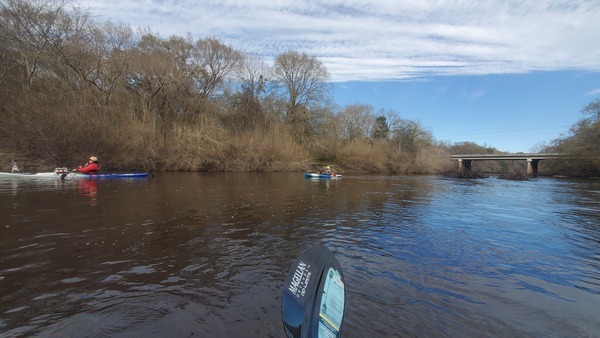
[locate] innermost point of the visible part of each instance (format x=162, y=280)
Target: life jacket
x=89, y=168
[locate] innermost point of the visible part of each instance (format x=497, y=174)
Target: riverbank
x=248, y=157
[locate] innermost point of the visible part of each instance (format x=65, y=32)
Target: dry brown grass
x=362, y=155
x=381, y=157
x=257, y=151
x=432, y=160
x=193, y=148
x=65, y=133
x=209, y=147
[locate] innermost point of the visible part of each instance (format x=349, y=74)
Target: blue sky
x=507, y=74
x=512, y=112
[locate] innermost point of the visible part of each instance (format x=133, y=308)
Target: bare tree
x=593, y=109
x=357, y=121
x=161, y=78
x=304, y=78
x=254, y=75
x=213, y=62
x=98, y=55
x=254, y=85
x=28, y=30
x=39, y=112
x=410, y=136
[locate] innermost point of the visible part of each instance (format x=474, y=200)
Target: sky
x=502, y=73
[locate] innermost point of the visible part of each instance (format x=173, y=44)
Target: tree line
x=72, y=86
x=581, y=145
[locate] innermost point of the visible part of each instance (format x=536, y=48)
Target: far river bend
x=206, y=254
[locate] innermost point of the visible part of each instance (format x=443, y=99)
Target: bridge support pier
x=464, y=166
x=532, y=167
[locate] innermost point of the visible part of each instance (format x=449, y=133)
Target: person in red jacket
x=91, y=167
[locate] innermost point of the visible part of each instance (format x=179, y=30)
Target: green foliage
x=381, y=130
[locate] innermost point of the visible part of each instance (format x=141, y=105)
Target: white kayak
x=30, y=175
x=60, y=173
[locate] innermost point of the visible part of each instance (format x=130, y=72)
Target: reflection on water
x=186, y=254
x=88, y=189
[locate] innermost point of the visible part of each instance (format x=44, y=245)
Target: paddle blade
x=314, y=295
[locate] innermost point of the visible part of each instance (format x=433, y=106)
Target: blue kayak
x=318, y=175
x=71, y=175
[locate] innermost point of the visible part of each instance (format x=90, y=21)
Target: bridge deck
x=522, y=156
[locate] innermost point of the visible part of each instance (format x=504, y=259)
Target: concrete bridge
x=465, y=160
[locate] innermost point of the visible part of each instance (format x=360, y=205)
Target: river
x=206, y=254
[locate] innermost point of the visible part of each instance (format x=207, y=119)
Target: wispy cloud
x=593, y=92
x=476, y=94
x=387, y=39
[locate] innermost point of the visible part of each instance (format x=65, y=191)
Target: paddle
x=314, y=295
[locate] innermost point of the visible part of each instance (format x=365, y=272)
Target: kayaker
x=91, y=167
x=15, y=168
x=329, y=171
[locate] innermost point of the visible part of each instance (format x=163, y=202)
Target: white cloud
x=386, y=40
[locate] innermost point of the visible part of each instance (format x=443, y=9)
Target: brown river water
x=206, y=254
